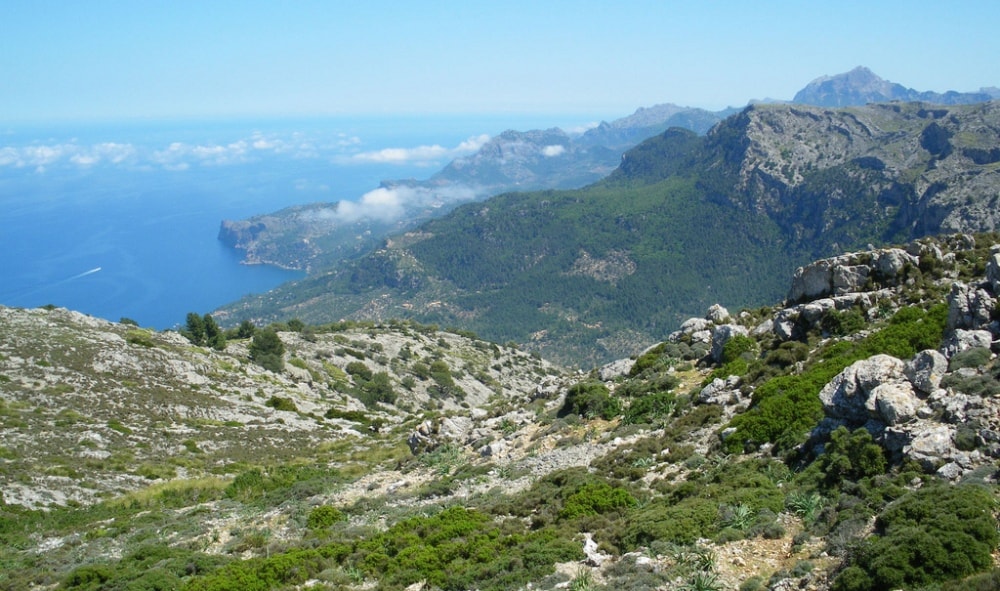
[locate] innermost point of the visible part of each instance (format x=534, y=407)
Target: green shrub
x=89, y=577
x=140, y=337
x=738, y=347
x=462, y=549
x=984, y=385
x=377, y=389
x=838, y=324
x=441, y=373
x=595, y=499
x=647, y=360
x=650, y=408
x=590, y=400
x=974, y=357
x=359, y=370
x=936, y=534
x=690, y=510
x=281, y=403
x=267, y=350
x=323, y=517
x=851, y=457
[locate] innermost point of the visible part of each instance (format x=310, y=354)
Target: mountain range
x=309, y=237
x=843, y=435
x=684, y=220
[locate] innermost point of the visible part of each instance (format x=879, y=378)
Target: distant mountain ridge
x=685, y=221
x=312, y=237
x=861, y=86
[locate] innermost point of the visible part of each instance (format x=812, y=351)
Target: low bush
x=323, y=517
x=281, y=403
x=590, y=400
x=936, y=534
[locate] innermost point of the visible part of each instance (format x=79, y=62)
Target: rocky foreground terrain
x=844, y=439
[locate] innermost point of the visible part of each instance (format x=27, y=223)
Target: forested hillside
x=684, y=221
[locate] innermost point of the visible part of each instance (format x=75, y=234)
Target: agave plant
x=806, y=505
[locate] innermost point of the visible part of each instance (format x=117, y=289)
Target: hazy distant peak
x=861, y=86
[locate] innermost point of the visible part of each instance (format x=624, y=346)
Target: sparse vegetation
x=367, y=479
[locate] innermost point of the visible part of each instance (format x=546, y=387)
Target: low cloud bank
x=422, y=155
x=390, y=204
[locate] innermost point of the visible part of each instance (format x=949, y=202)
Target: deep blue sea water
x=120, y=220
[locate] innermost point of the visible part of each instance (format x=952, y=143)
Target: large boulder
x=717, y=314
x=925, y=370
x=812, y=281
x=615, y=369
x=847, y=395
x=890, y=264
x=894, y=403
x=932, y=445
x=850, y=278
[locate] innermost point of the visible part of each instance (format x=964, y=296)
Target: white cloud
x=389, y=204
x=251, y=148
x=422, y=155
x=582, y=129
x=553, y=150
x=42, y=156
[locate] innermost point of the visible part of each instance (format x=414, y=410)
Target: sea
x=119, y=220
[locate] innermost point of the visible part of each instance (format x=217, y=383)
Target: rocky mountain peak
x=861, y=86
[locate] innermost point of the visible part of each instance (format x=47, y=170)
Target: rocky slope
x=93, y=408
x=826, y=442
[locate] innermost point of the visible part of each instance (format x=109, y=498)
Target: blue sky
x=63, y=60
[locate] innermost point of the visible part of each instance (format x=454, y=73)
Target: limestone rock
x=850, y=278
x=931, y=445
x=717, y=314
x=494, y=449
x=692, y=325
x=846, y=396
x=895, y=402
x=811, y=281
x=993, y=269
x=721, y=391
x=969, y=307
x=455, y=428
x=925, y=370
x=615, y=369
x=721, y=335
x=962, y=340
x=890, y=263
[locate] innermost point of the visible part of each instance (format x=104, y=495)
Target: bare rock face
x=717, y=314
x=969, y=307
x=722, y=392
x=993, y=269
x=962, y=340
x=618, y=368
x=850, y=273
x=895, y=402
